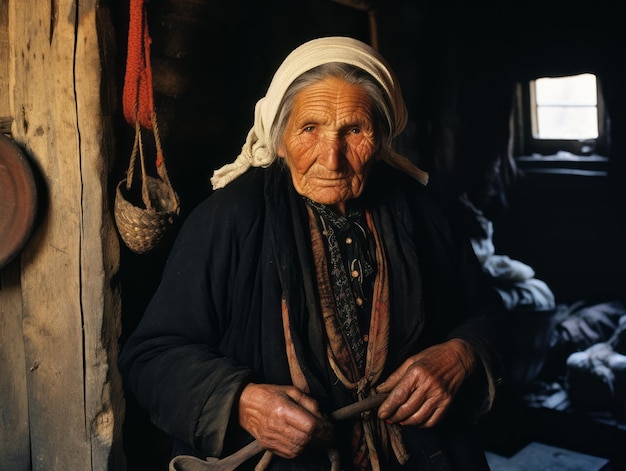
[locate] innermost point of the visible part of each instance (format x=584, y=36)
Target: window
x=565, y=107
x=560, y=115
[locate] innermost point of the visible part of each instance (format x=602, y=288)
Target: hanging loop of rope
x=138, y=96
x=142, y=225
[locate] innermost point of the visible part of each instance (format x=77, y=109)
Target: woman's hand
x=422, y=389
x=282, y=418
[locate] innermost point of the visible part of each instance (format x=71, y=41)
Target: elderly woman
x=319, y=273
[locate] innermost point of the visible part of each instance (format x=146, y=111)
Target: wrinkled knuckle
x=309, y=429
x=280, y=412
x=415, y=370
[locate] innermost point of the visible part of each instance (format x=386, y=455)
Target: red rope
x=138, y=98
x=138, y=101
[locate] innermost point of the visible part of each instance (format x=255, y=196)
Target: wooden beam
x=71, y=307
x=14, y=429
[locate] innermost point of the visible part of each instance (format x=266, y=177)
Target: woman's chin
x=330, y=198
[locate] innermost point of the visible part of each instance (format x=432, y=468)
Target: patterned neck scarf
x=356, y=353
x=352, y=270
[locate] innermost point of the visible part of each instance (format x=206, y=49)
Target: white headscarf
x=257, y=151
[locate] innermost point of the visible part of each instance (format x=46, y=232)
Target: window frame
x=580, y=147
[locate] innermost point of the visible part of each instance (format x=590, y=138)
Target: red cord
x=138, y=100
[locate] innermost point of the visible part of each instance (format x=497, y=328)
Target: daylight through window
x=565, y=107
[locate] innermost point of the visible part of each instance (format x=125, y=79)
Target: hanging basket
x=143, y=221
x=143, y=228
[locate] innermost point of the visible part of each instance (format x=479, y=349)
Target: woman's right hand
x=282, y=418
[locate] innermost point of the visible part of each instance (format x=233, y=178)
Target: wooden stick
x=229, y=463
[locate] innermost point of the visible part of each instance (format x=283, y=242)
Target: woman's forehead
x=331, y=95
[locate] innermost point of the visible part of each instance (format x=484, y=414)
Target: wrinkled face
x=329, y=143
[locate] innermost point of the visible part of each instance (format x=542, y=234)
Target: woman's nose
x=332, y=154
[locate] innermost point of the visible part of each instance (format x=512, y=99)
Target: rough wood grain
x=4, y=61
x=71, y=309
x=14, y=433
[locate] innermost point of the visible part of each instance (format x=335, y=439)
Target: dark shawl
x=214, y=323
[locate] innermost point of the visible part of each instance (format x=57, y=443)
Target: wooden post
x=14, y=430
x=60, y=103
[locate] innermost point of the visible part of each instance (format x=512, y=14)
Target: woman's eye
x=355, y=130
x=308, y=128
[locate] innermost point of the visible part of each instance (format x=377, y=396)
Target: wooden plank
x=4, y=59
x=45, y=111
x=71, y=311
x=14, y=433
x=100, y=248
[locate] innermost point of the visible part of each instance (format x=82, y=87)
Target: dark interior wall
x=567, y=228
x=457, y=63
x=571, y=229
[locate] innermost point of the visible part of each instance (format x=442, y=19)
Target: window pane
x=572, y=90
x=566, y=107
x=567, y=123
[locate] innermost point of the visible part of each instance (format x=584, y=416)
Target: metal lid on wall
x=18, y=200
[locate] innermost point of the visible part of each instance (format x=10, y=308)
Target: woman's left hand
x=422, y=389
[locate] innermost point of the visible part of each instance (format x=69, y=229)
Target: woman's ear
x=280, y=151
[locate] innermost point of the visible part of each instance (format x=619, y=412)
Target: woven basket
x=143, y=221
x=143, y=228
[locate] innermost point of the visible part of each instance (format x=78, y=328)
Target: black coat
x=214, y=323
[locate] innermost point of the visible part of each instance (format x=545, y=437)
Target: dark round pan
x=18, y=200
